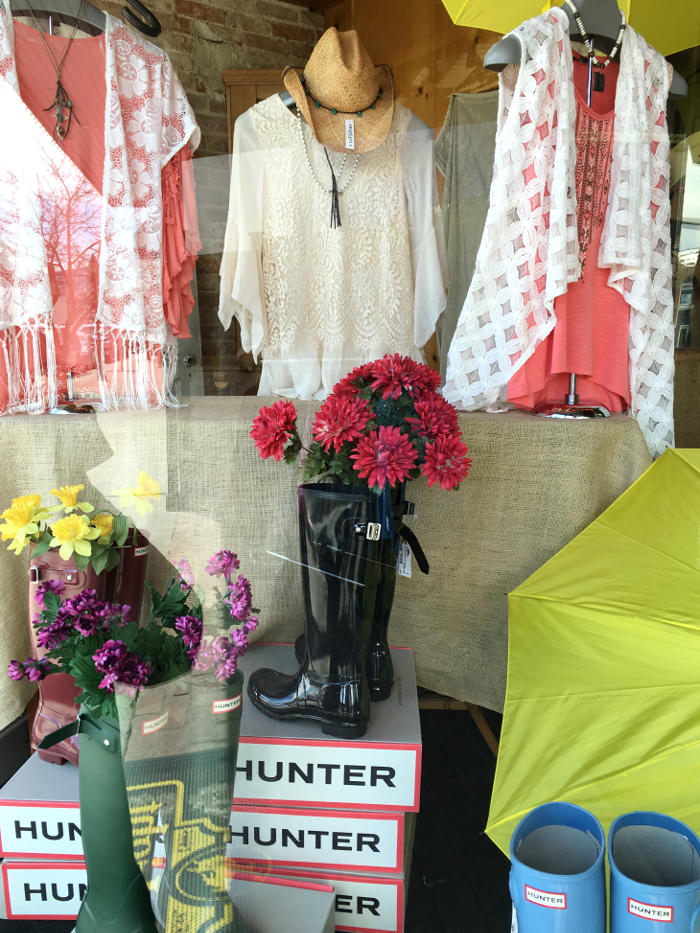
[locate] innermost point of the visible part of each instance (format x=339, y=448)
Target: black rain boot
x=380, y=671
x=339, y=531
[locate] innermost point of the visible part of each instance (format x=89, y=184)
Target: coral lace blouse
x=72, y=224
x=591, y=334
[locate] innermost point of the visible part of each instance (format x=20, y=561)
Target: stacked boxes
x=308, y=810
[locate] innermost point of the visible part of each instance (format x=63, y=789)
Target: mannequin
x=602, y=20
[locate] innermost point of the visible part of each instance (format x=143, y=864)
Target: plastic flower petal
x=445, y=462
x=22, y=521
x=435, y=417
x=394, y=373
x=72, y=535
x=137, y=498
x=272, y=428
x=103, y=521
x=222, y=564
x=340, y=420
x=69, y=498
x=384, y=456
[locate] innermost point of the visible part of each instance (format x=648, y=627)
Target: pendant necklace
x=61, y=105
x=334, y=190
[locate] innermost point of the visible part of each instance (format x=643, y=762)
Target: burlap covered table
x=534, y=484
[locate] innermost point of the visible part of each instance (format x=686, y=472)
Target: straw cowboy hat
x=340, y=83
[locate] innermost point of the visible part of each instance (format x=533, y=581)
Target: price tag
x=349, y=134
x=403, y=560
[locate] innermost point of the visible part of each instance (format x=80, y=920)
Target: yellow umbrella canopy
x=669, y=26
x=603, y=695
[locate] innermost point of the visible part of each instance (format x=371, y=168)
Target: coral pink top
x=72, y=224
x=591, y=334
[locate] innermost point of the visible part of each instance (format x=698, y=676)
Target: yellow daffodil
x=69, y=498
x=22, y=522
x=73, y=534
x=137, y=498
x=103, y=522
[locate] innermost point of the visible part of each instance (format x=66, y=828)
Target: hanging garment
x=530, y=251
x=317, y=301
x=98, y=233
x=591, y=333
x=464, y=155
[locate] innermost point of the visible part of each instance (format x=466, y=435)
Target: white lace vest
x=529, y=249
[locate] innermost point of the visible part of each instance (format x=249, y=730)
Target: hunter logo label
x=153, y=725
x=226, y=706
x=650, y=911
x=545, y=898
x=142, y=551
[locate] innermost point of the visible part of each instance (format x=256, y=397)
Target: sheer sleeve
x=181, y=242
x=242, y=293
x=428, y=253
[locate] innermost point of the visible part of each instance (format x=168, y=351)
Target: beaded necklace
x=589, y=42
x=334, y=190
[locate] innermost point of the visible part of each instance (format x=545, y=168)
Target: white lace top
x=314, y=300
x=530, y=252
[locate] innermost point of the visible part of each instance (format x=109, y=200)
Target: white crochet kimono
x=147, y=121
x=529, y=251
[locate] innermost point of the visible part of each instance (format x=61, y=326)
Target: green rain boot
x=116, y=899
x=180, y=750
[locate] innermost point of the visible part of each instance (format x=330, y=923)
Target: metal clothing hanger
x=70, y=11
x=602, y=21
x=67, y=11
x=146, y=22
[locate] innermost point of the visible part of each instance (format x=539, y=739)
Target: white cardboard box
x=364, y=903
x=52, y=890
x=293, y=763
x=34, y=827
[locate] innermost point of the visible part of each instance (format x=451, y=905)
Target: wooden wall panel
x=431, y=57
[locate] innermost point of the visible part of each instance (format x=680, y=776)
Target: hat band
x=319, y=106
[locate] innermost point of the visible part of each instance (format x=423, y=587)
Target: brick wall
x=202, y=38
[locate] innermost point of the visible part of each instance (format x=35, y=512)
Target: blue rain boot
x=557, y=875
x=654, y=875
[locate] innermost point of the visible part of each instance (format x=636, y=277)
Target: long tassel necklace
x=62, y=105
x=335, y=190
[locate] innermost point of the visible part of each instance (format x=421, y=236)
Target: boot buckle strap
x=371, y=530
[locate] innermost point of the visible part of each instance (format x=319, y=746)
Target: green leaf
x=120, y=529
x=112, y=559
x=51, y=603
x=81, y=562
x=42, y=545
x=99, y=561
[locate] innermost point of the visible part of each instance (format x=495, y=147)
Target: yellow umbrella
x=603, y=694
x=669, y=26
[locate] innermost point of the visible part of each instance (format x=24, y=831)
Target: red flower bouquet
x=383, y=424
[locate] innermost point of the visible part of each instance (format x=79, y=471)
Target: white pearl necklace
x=338, y=173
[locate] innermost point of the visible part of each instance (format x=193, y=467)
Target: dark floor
x=459, y=879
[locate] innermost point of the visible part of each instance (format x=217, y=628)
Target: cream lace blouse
x=317, y=301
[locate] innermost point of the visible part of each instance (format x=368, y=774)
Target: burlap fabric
x=534, y=484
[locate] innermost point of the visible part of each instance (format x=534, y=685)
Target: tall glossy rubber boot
x=116, y=899
x=181, y=745
x=654, y=875
x=557, y=875
x=57, y=692
x=125, y=584
x=392, y=506
x=340, y=556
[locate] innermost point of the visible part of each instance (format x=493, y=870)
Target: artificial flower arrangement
x=75, y=528
x=99, y=644
x=383, y=424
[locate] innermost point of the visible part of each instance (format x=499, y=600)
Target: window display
x=251, y=203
